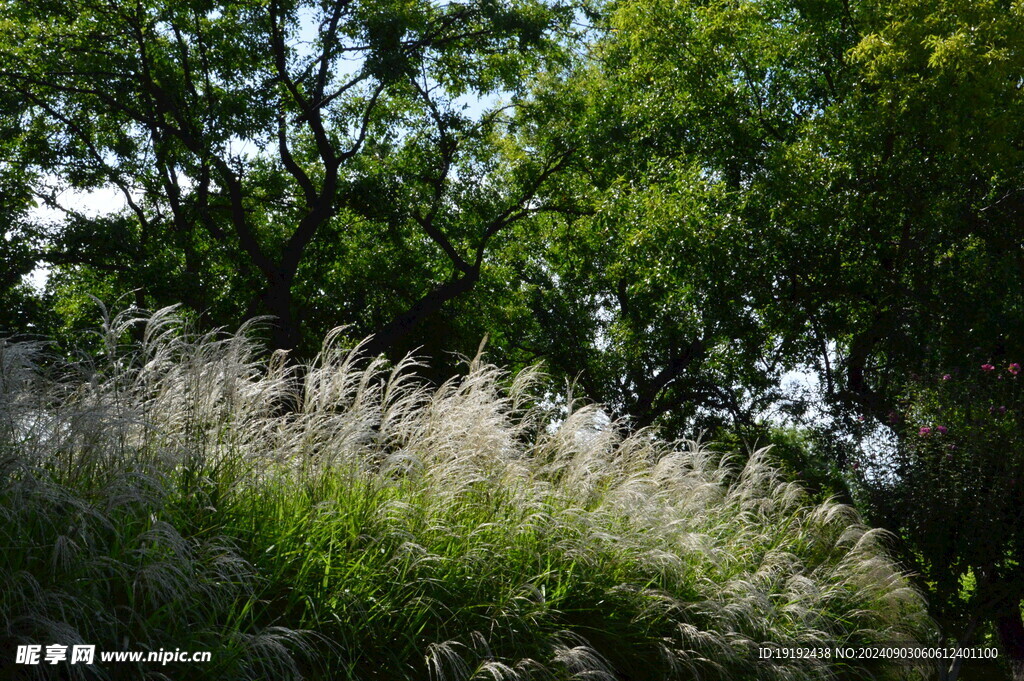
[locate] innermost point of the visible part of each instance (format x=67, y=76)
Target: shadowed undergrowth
x=346, y=522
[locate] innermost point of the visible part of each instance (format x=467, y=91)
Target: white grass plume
x=696, y=559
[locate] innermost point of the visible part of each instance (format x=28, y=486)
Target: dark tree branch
x=395, y=331
x=680, y=360
x=448, y=148
x=518, y=210
x=112, y=176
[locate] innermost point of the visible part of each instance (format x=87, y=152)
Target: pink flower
x=941, y=430
x=987, y=367
x=925, y=430
x=1001, y=410
x=1014, y=368
x=946, y=377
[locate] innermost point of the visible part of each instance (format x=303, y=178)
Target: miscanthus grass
x=343, y=521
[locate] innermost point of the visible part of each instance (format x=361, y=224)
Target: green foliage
x=262, y=151
x=960, y=441
x=786, y=184
x=803, y=455
x=833, y=185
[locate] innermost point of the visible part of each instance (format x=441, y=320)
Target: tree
x=835, y=185
x=640, y=294
x=270, y=152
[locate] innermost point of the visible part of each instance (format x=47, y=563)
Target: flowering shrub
x=956, y=481
x=976, y=412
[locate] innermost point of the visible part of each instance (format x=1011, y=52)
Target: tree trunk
x=278, y=300
x=1011, y=636
x=397, y=330
x=964, y=640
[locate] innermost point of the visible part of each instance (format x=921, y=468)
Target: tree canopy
x=854, y=174
x=276, y=157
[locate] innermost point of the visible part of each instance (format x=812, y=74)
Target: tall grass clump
x=343, y=520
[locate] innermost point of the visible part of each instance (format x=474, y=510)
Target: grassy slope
x=165, y=498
